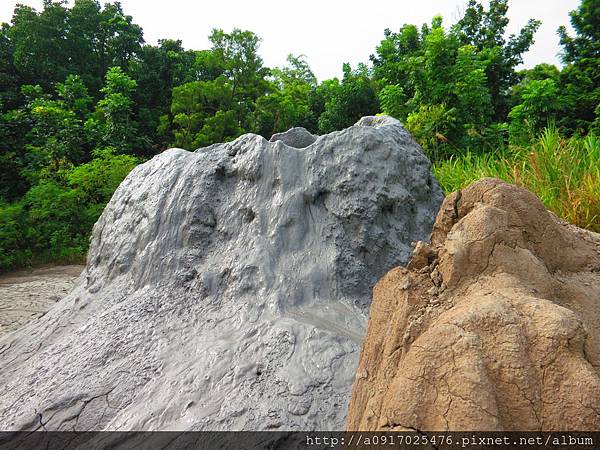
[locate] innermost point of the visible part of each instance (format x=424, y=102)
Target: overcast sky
x=328, y=32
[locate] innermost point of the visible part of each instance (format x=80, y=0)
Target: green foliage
x=349, y=100
x=74, y=96
x=462, y=74
x=393, y=99
x=429, y=126
x=9, y=78
x=287, y=104
x=473, y=99
x=54, y=219
x=14, y=126
x=14, y=251
x=564, y=173
x=485, y=30
x=580, y=79
x=98, y=179
x=201, y=113
x=55, y=136
x=539, y=104
x=585, y=46
x=82, y=100
x=221, y=109
x=451, y=106
x=84, y=40
x=113, y=123
x=157, y=70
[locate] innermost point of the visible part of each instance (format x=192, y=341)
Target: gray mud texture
x=28, y=294
x=226, y=288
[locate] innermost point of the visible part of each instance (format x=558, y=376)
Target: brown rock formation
x=494, y=326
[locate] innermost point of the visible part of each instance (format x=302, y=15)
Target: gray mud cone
x=226, y=288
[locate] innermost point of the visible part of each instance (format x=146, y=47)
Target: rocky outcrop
x=226, y=288
x=494, y=326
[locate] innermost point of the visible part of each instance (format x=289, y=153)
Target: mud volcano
x=226, y=288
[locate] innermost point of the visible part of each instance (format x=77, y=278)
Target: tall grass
x=563, y=172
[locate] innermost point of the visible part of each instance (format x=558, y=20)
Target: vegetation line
x=83, y=100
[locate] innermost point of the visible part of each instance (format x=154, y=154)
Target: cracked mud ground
x=28, y=294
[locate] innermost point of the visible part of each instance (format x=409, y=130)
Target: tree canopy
x=83, y=99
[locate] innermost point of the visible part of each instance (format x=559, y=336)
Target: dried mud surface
x=28, y=294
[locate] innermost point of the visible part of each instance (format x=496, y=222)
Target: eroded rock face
x=494, y=326
x=226, y=288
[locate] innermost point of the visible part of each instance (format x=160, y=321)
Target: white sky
x=328, y=32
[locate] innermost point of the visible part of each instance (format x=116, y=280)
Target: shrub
x=13, y=249
x=53, y=221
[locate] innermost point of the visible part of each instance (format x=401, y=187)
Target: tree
x=38, y=41
x=349, y=100
x=157, y=70
x=485, y=30
x=585, y=46
x=419, y=64
x=9, y=78
x=462, y=76
x=431, y=125
x=201, y=114
x=85, y=40
x=74, y=96
x=288, y=103
x=580, y=79
x=237, y=54
x=393, y=69
x=220, y=109
x=99, y=38
x=442, y=93
x=14, y=126
x=97, y=180
x=540, y=72
x=539, y=105
x=431, y=71
x=54, y=137
x=55, y=217
x=473, y=100
x=113, y=124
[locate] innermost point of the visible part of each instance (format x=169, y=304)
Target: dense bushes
x=52, y=222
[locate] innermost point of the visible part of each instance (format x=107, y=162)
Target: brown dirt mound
x=494, y=326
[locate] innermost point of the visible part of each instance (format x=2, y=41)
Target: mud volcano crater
x=226, y=288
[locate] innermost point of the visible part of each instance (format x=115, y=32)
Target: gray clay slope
x=226, y=288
